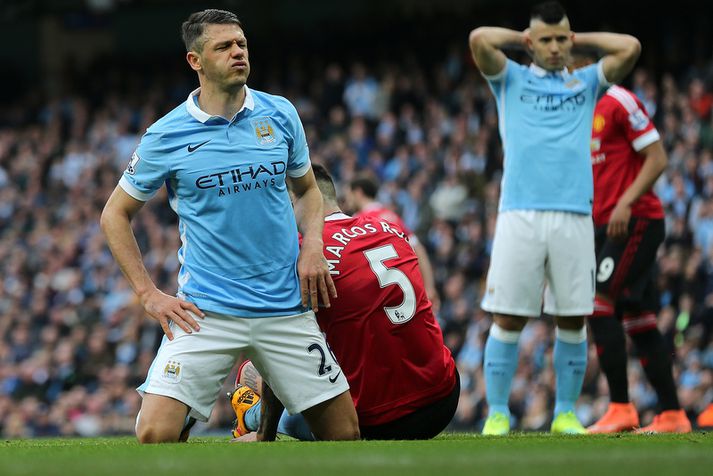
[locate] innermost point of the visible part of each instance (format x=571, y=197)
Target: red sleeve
x=631, y=115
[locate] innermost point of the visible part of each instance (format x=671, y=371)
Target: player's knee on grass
x=335, y=419
x=148, y=432
x=160, y=419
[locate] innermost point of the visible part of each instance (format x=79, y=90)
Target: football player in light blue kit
x=544, y=240
x=244, y=286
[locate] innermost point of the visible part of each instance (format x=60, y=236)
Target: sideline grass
x=450, y=454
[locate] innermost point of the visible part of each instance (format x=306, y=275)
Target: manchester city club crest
x=264, y=131
x=172, y=371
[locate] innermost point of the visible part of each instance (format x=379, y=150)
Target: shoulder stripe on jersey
x=624, y=98
x=337, y=216
x=603, y=81
x=646, y=139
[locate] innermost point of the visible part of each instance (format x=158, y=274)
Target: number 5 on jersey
x=388, y=276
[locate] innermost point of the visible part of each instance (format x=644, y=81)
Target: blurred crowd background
x=409, y=108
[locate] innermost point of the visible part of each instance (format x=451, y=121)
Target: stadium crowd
x=74, y=342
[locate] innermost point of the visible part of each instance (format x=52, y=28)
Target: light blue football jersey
x=226, y=180
x=545, y=122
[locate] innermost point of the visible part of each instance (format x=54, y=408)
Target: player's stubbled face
x=225, y=55
x=550, y=44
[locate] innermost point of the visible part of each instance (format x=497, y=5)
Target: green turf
x=528, y=454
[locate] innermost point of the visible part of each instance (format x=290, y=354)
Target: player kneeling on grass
x=226, y=155
x=381, y=328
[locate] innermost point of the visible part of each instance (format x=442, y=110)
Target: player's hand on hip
x=164, y=308
x=315, y=280
x=618, y=226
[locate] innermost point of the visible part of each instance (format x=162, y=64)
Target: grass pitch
x=449, y=454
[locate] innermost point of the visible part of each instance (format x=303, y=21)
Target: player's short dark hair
x=365, y=183
x=551, y=12
x=325, y=182
x=193, y=27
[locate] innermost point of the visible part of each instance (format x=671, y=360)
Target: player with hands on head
x=544, y=238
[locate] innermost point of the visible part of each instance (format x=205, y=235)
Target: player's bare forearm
x=310, y=215
x=270, y=413
x=309, y=210
x=654, y=164
x=312, y=268
x=116, y=225
x=620, y=52
x=486, y=45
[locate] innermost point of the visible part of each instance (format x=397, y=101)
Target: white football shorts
x=290, y=353
x=538, y=249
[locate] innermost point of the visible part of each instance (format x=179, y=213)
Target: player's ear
x=194, y=60
x=528, y=44
x=527, y=40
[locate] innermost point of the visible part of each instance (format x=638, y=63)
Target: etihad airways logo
x=242, y=179
x=554, y=102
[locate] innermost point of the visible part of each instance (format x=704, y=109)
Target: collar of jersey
x=541, y=72
x=336, y=216
x=202, y=116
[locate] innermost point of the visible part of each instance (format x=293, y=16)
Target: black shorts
x=626, y=268
x=423, y=424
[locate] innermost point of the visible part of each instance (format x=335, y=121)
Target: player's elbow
x=632, y=48
x=107, y=219
x=476, y=38
x=661, y=162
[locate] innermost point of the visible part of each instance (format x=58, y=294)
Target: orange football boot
x=705, y=419
x=619, y=417
x=242, y=399
x=670, y=421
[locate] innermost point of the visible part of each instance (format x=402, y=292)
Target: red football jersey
x=621, y=128
x=381, y=327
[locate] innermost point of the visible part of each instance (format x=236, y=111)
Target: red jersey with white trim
x=621, y=128
x=381, y=327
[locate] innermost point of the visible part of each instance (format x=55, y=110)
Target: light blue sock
x=252, y=417
x=570, y=362
x=500, y=363
x=295, y=426
x=292, y=425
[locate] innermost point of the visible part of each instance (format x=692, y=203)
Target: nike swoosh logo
x=332, y=380
x=192, y=148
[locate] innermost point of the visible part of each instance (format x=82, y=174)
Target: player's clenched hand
x=313, y=271
x=618, y=226
x=164, y=308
